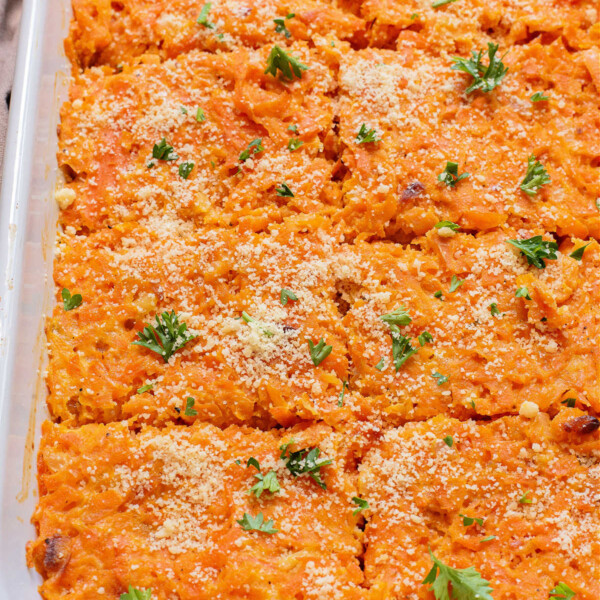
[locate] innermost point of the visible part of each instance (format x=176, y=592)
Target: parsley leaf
x=524, y=499
x=539, y=97
x=450, y=175
x=439, y=3
x=449, y=441
x=450, y=224
x=203, y=17
x=399, y=317
x=293, y=128
x=70, y=302
x=562, y=591
x=164, y=151
x=424, y=338
x=466, y=584
x=135, y=594
x=366, y=136
x=284, y=447
x=522, y=292
x=286, y=295
x=254, y=147
x=441, y=379
x=319, y=352
x=166, y=337
x=455, y=283
x=402, y=349
x=284, y=191
x=265, y=483
x=535, y=177
x=189, y=407
x=248, y=319
x=288, y=65
x=489, y=538
x=341, y=396
x=362, y=504
x=294, y=144
x=184, y=110
x=200, y=115
x=494, y=309
x=280, y=25
x=438, y=294
x=569, y=402
x=578, y=254
x=535, y=249
x=185, y=168
x=468, y=521
x=380, y=365
x=144, y=388
x=305, y=461
x=484, y=78
x=250, y=523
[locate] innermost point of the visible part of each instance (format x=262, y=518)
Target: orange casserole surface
x=489, y=350
x=210, y=109
x=159, y=509
x=465, y=26
x=419, y=109
x=255, y=371
x=328, y=305
x=493, y=349
x=531, y=485
x=104, y=32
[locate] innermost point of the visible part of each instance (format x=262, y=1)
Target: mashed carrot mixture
x=515, y=498
x=160, y=509
x=328, y=306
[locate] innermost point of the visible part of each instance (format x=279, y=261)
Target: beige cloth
x=10, y=15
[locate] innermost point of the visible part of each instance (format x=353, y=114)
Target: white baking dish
x=27, y=229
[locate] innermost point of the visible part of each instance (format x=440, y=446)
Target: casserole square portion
x=515, y=499
x=462, y=325
x=464, y=26
x=161, y=510
x=252, y=301
x=213, y=137
x=111, y=33
x=499, y=142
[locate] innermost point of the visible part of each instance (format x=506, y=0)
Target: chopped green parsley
x=287, y=65
x=319, y=352
x=485, y=78
x=185, y=168
x=535, y=177
x=441, y=379
x=535, y=249
x=366, y=135
x=250, y=523
x=466, y=584
x=450, y=175
x=304, y=462
x=70, y=302
x=166, y=337
x=286, y=295
x=362, y=505
x=189, y=407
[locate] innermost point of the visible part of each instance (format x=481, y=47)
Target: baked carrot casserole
x=328, y=303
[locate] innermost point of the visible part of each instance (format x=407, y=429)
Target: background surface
x=10, y=15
